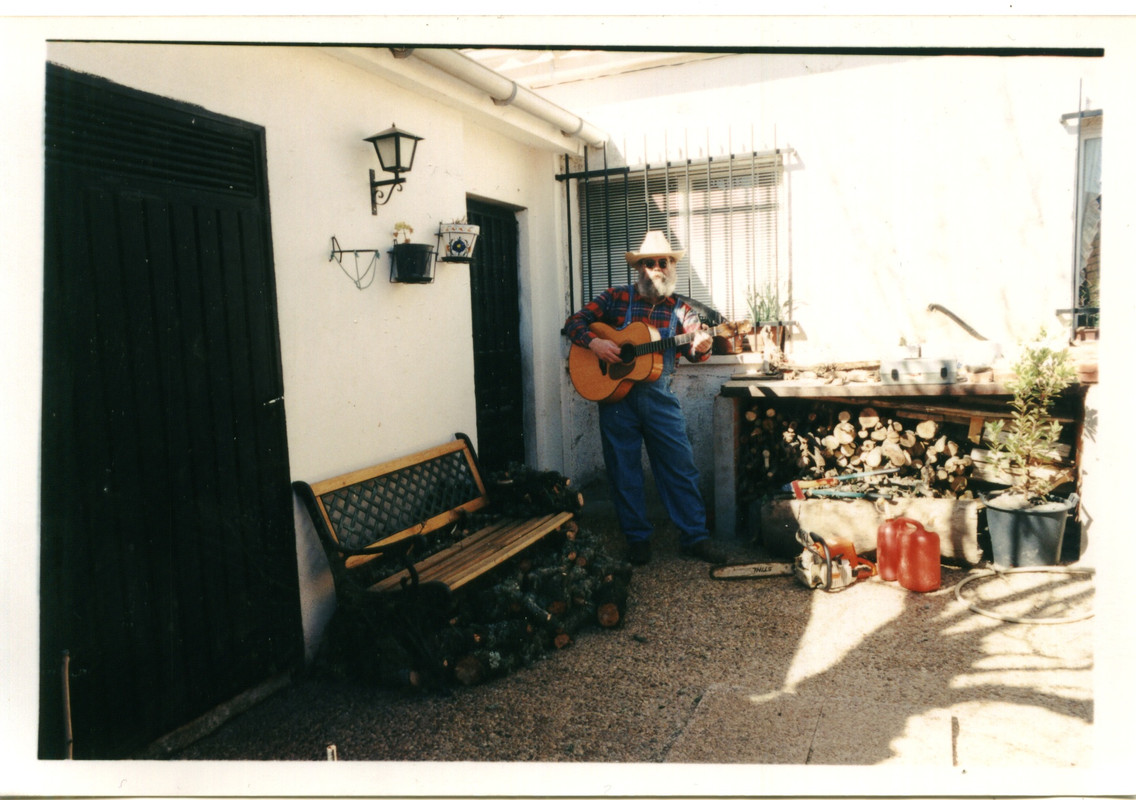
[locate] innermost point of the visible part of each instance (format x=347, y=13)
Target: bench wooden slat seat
x=479, y=552
x=378, y=514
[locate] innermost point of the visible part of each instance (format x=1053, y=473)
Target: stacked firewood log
x=518, y=491
x=536, y=603
x=541, y=602
x=783, y=443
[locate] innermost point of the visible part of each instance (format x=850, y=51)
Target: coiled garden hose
x=1023, y=620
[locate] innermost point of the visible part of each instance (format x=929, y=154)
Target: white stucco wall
x=912, y=180
x=381, y=372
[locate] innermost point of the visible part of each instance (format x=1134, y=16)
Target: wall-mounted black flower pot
x=412, y=263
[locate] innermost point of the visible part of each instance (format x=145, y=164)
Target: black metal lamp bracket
x=376, y=194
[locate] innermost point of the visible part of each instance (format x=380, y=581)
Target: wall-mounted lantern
x=395, y=149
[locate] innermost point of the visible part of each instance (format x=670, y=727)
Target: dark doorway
x=168, y=570
x=495, y=297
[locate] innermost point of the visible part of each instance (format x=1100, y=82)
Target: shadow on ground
x=741, y=672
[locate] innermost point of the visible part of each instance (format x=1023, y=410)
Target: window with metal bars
x=725, y=213
x=1087, y=291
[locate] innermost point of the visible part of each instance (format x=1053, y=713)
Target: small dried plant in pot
x=410, y=262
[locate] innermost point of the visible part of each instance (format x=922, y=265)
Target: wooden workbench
x=968, y=404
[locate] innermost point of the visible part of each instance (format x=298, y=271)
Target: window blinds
x=725, y=213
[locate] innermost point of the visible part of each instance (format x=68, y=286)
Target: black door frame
x=496, y=313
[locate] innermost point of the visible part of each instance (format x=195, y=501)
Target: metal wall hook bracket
x=376, y=194
x=358, y=278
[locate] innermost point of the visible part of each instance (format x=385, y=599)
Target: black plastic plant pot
x=412, y=263
x=1028, y=537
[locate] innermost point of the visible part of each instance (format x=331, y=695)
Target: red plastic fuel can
x=919, y=559
x=887, y=545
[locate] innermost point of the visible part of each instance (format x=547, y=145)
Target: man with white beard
x=650, y=413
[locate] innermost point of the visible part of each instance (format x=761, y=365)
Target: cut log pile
x=534, y=604
x=539, y=603
x=782, y=443
x=519, y=491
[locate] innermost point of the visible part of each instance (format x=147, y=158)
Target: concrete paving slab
x=736, y=725
x=1002, y=734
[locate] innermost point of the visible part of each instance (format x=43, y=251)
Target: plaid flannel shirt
x=611, y=308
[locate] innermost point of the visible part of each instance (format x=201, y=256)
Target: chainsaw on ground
x=829, y=564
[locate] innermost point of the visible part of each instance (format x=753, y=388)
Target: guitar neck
x=674, y=341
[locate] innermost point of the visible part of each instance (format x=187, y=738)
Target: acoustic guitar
x=641, y=351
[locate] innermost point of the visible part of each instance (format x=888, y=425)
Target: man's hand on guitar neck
x=605, y=350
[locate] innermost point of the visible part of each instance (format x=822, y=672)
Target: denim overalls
x=650, y=415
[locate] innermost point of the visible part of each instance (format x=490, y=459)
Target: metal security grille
x=387, y=504
x=725, y=213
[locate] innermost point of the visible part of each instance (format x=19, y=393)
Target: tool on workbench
x=798, y=487
x=828, y=564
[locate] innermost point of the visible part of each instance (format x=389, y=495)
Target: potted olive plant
x=410, y=262
x=1027, y=521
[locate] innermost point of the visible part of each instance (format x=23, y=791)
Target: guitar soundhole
x=627, y=353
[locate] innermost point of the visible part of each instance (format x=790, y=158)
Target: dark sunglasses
x=650, y=262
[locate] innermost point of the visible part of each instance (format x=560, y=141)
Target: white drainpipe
x=506, y=92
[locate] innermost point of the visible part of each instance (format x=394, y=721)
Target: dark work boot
x=706, y=550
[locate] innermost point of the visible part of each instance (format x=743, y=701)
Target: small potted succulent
x=458, y=240
x=1026, y=520
x=410, y=262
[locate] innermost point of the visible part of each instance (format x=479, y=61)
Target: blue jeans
x=650, y=415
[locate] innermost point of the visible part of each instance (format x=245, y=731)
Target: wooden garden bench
x=382, y=515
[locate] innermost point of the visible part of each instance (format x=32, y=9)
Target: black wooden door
x=495, y=297
x=168, y=572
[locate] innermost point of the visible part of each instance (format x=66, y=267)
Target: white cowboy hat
x=655, y=245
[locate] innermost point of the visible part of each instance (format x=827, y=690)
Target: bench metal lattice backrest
x=371, y=510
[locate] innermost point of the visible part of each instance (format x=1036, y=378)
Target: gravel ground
x=735, y=672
